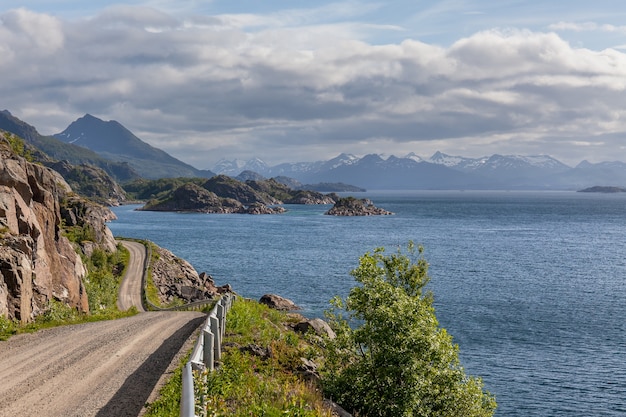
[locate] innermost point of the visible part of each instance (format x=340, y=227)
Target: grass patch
x=103, y=281
x=246, y=384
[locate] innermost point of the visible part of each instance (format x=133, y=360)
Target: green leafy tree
x=390, y=357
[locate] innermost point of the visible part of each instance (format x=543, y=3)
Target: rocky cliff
x=175, y=278
x=38, y=262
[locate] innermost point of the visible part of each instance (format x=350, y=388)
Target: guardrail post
x=217, y=341
x=187, y=403
x=209, y=350
x=221, y=315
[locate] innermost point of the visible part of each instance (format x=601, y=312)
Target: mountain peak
x=414, y=157
x=112, y=140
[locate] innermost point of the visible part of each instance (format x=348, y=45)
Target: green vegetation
x=77, y=155
x=104, y=279
x=150, y=290
x=8, y=328
x=143, y=189
x=390, y=357
x=268, y=385
x=79, y=233
x=18, y=146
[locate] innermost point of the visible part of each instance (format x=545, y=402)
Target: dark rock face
x=278, y=303
x=350, y=206
x=37, y=262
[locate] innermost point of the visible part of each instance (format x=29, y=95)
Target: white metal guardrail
x=207, y=351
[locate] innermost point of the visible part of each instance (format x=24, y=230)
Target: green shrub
x=390, y=357
x=7, y=328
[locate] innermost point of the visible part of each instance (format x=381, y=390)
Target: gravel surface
x=110, y=368
x=130, y=290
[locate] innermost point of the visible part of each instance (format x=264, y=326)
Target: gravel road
x=130, y=290
x=108, y=368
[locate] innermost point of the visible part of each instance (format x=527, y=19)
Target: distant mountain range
x=112, y=147
x=440, y=171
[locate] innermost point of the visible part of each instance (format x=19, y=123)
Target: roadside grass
x=168, y=402
x=245, y=384
x=102, y=285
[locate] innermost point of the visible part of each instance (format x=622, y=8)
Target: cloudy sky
x=306, y=80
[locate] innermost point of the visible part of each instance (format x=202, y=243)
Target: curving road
x=130, y=290
x=103, y=369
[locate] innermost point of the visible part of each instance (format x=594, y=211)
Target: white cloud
x=586, y=27
x=206, y=87
x=28, y=35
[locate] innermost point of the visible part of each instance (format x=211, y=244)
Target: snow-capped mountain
x=441, y=171
x=457, y=162
x=414, y=157
x=236, y=166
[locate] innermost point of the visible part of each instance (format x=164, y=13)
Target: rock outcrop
x=278, y=303
x=310, y=197
x=38, y=263
x=81, y=213
x=193, y=198
x=317, y=326
x=350, y=206
x=259, y=208
x=225, y=186
x=176, y=279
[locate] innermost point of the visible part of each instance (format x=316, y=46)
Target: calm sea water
x=531, y=285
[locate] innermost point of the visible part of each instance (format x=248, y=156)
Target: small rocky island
x=350, y=206
x=603, y=189
x=223, y=194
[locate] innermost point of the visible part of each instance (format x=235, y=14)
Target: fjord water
x=531, y=285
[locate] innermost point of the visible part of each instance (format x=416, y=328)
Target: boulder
x=308, y=370
x=318, y=326
x=255, y=350
x=336, y=409
x=278, y=303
